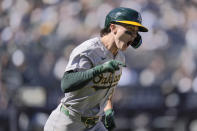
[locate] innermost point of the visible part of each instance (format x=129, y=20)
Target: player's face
x=125, y=35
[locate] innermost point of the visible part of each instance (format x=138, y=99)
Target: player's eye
x=128, y=32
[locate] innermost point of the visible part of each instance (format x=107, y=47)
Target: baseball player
x=93, y=72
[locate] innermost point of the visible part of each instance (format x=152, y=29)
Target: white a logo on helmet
x=118, y=14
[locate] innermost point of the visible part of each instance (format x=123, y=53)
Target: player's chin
x=124, y=47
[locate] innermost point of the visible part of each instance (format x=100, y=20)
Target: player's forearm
x=108, y=105
x=76, y=80
x=109, y=121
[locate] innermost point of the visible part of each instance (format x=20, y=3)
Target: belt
x=88, y=121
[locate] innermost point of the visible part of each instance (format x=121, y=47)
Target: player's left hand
x=109, y=119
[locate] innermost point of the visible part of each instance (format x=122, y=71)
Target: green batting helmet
x=125, y=16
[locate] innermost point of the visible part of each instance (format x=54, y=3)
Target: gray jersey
x=91, y=99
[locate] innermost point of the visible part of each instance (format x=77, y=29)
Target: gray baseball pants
x=58, y=121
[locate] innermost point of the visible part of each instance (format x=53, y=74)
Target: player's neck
x=109, y=43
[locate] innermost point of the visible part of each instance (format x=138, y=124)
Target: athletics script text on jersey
x=106, y=80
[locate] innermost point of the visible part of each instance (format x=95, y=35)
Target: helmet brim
x=141, y=27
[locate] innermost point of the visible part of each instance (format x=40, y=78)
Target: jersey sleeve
x=79, y=62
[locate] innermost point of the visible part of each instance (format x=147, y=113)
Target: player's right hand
x=112, y=66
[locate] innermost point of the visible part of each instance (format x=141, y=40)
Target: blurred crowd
x=157, y=91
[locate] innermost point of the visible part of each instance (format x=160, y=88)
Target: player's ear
x=113, y=28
